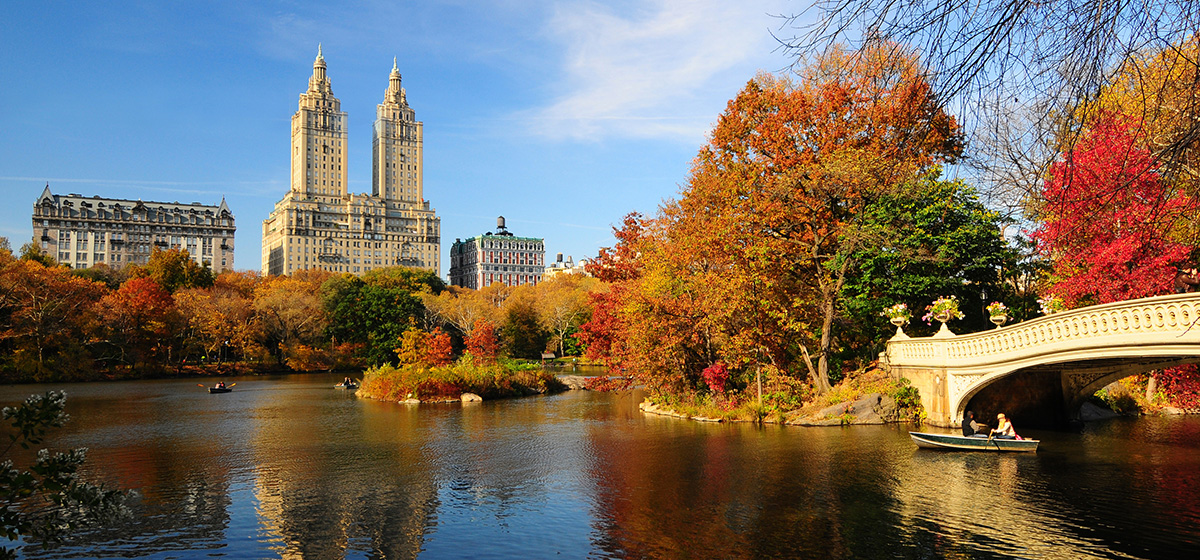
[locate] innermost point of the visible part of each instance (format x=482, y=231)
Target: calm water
x=290, y=468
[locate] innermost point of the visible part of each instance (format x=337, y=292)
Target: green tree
x=374, y=315
x=939, y=240
x=522, y=334
x=48, y=500
x=33, y=252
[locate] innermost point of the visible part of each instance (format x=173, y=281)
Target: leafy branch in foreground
x=48, y=500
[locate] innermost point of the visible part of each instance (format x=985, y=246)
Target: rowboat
x=219, y=389
x=961, y=443
x=351, y=386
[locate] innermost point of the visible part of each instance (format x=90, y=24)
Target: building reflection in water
x=289, y=468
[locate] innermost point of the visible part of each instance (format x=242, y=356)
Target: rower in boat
x=1004, y=428
x=971, y=428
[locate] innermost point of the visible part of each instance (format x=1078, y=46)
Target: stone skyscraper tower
x=320, y=224
x=397, y=146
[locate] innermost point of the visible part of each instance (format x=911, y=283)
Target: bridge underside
x=1040, y=396
x=1050, y=396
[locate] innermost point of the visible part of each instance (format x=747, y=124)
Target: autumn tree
x=44, y=317
x=463, y=307
x=291, y=313
x=138, y=323
x=482, y=343
x=411, y=280
x=439, y=350
x=563, y=306
x=174, y=269
x=1022, y=68
x=617, y=268
x=1109, y=217
x=220, y=320
x=773, y=213
x=33, y=252
x=411, y=348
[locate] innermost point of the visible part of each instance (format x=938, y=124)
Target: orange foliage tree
x=44, y=314
x=482, y=343
x=748, y=266
x=438, y=348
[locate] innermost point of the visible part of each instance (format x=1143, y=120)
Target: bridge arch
x=1073, y=353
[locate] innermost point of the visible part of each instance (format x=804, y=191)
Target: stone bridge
x=1041, y=371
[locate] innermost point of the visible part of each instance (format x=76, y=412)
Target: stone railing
x=1163, y=320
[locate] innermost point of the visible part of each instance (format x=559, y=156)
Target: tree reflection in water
x=289, y=468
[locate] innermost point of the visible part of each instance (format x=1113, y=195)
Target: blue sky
x=562, y=116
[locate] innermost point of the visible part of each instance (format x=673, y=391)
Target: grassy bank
x=490, y=381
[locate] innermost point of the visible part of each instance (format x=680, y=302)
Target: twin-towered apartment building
x=318, y=224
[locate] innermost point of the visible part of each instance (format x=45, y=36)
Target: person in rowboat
x=971, y=428
x=1004, y=428
x=220, y=384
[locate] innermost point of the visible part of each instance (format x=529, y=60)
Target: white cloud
x=664, y=69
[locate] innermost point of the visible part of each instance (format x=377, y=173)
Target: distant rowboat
x=350, y=386
x=219, y=389
x=962, y=443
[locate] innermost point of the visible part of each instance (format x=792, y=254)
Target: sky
x=562, y=116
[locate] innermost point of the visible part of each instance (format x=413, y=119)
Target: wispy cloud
x=662, y=70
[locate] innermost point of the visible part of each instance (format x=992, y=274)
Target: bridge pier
x=1041, y=371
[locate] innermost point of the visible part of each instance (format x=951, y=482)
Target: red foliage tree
x=139, y=319
x=438, y=349
x=1111, y=221
x=716, y=376
x=482, y=343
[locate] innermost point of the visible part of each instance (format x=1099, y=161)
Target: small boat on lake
x=220, y=389
x=347, y=386
x=963, y=443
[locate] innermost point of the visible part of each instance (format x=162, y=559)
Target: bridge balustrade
x=948, y=370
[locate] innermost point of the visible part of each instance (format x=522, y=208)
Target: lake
x=288, y=467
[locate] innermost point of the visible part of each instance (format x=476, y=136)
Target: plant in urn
x=898, y=315
x=943, y=309
x=997, y=313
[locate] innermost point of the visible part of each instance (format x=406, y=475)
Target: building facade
x=81, y=232
x=497, y=257
x=569, y=266
x=320, y=224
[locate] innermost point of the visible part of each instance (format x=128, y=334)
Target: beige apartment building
x=81, y=232
x=499, y=257
x=320, y=224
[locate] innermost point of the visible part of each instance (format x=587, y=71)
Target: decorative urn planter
x=899, y=322
x=999, y=320
x=944, y=331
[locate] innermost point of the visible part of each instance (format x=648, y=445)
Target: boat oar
x=201, y=385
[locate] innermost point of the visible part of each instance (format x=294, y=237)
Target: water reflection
x=289, y=468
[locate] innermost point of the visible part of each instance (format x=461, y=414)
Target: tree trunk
x=825, y=348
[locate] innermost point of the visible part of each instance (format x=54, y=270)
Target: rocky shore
x=872, y=408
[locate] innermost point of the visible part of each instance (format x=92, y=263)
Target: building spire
x=394, y=94
x=319, y=81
